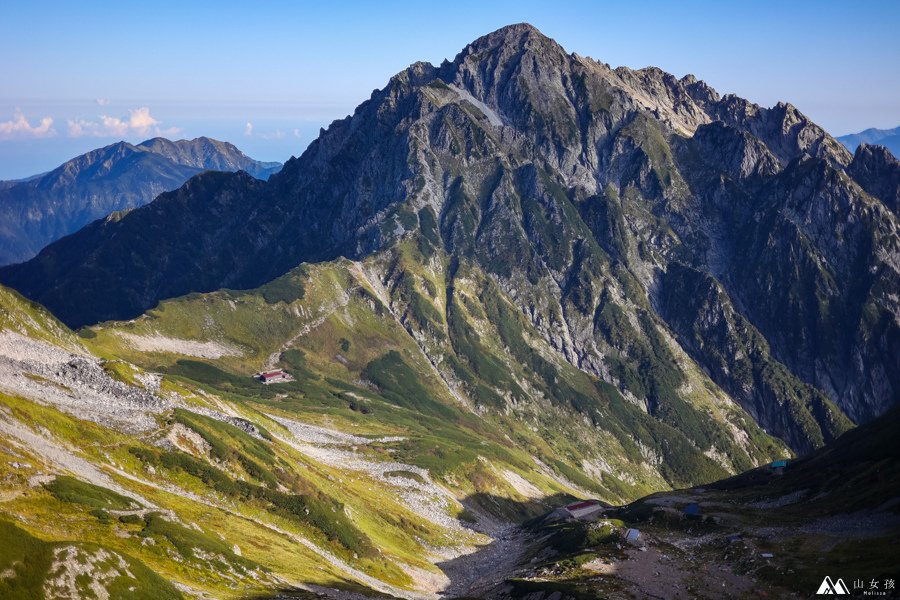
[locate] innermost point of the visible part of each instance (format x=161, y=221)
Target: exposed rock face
x=121, y=176
x=739, y=359
x=642, y=225
x=878, y=172
x=785, y=130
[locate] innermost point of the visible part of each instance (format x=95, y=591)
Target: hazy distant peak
x=889, y=138
x=120, y=176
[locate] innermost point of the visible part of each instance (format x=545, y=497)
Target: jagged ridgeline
x=518, y=275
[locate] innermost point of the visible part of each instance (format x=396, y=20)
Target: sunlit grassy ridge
x=462, y=368
x=257, y=518
x=258, y=490
x=20, y=315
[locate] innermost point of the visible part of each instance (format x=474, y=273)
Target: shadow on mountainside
x=502, y=519
x=763, y=530
x=469, y=575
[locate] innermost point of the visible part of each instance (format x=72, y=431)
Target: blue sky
x=78, y=75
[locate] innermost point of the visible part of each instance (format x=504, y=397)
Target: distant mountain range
x=889, y=138
x=43, y=208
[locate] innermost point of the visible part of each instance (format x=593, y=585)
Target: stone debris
x=75, y=568
x=74, y=383
x=417, y=491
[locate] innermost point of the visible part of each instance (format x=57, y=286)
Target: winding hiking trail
x=321, y=315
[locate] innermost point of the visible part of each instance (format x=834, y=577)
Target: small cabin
x=276, y=376
x=633, y=536
x=582, y=510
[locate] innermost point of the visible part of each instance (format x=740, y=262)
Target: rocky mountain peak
x=878, y=172
x=518, y=35
x=207, y=153
x=785, y=130
x=699, y=90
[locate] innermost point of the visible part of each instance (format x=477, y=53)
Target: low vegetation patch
x=69, y=489
x=27, y=564
x=311, y=509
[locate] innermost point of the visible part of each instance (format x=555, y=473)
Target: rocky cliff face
x=651, y=232
x=878, y=172
x=44, y=208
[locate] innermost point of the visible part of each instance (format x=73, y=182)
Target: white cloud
x=138, y=122
x=141, y=121
x=80, y=127
x=102, y=101
x=297, y=133
x=19, y=127
x=248, y=129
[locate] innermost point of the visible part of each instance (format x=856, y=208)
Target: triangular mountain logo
x=833, y=587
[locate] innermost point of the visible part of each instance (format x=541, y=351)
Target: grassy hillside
x=22, y=316
x=416, y=423
x=424, y=412
x=236, y=488
x=374, y=344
